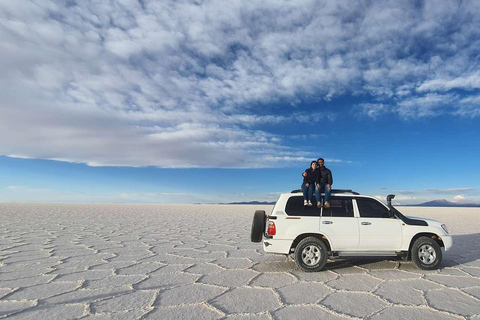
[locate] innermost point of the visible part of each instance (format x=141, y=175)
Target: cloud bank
x=436, y=191
x=195, y=83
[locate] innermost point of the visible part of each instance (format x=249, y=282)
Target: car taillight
x=271, y=228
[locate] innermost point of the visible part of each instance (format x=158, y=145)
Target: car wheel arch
x=306, y=235
x=432, y=235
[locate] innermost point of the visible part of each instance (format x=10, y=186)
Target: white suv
x=354, y=225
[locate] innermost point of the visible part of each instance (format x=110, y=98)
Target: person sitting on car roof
x=309, y=179
x=324, y=183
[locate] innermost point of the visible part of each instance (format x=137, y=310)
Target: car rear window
x=295, y=207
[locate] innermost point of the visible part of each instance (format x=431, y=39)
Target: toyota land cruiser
x=354, y=225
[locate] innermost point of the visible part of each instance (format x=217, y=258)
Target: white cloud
x=373, y=110
x=182, y=84
x=22, y=189
x=469, y=82
x=398, y=198
x=459, y=197
x=425, y=106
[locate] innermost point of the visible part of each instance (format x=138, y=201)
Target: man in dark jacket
x=324, y=183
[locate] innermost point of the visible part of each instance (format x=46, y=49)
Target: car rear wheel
x=426, y=253
x=311, y=254
x=258, y=226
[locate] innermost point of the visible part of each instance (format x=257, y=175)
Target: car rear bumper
x=277, y=246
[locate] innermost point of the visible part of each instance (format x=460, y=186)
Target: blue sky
x=204, y=101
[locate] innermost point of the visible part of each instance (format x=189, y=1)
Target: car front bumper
x=447, y=242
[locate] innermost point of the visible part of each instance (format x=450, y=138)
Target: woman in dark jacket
x=308, y=184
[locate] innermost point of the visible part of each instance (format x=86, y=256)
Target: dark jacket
x=311, y=177
x=324, y=176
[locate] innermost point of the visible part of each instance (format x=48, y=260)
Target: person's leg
x=327, y=195
x=305, y=193
x=310, y=193
x=317, y=196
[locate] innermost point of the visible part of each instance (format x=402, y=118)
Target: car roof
x=333, y=191
x=335, y=194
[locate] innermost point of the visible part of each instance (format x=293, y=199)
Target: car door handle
x=366, y=223
x=327, y=222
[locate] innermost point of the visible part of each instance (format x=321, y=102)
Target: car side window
x=370, y=208
x=295, y=207
x=339, y=207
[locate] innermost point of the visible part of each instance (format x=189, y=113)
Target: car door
x=378, y=231
x=339, y=224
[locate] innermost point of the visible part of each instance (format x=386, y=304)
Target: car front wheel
x=426, y=253
x=311, y=254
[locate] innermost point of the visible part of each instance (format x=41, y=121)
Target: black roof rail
x=332, y=191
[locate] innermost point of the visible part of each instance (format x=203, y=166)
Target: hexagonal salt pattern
x=305, y=312
x=354, y=304
x=197, y=262
x=247, y=300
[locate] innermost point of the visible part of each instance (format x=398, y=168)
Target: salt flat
x=118, y=261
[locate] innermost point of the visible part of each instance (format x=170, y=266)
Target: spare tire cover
x=258, y=226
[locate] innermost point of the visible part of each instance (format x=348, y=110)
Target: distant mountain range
x=444, y=203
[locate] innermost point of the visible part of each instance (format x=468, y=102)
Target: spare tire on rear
x=258, y=226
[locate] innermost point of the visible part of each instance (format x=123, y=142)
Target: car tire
x=426, y=253
x=311, y=254
x=258, y=226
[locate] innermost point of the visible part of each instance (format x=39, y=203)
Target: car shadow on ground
x=465, y=251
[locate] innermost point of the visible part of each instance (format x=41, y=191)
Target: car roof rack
x=332, y=191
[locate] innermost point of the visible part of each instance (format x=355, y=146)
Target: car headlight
x=444, y=227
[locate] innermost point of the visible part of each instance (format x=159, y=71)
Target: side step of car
x=368, y=254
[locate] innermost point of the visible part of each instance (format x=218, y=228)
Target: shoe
x=305, y=203
x=327, y=205
x=319, y=204
x=309, y=203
